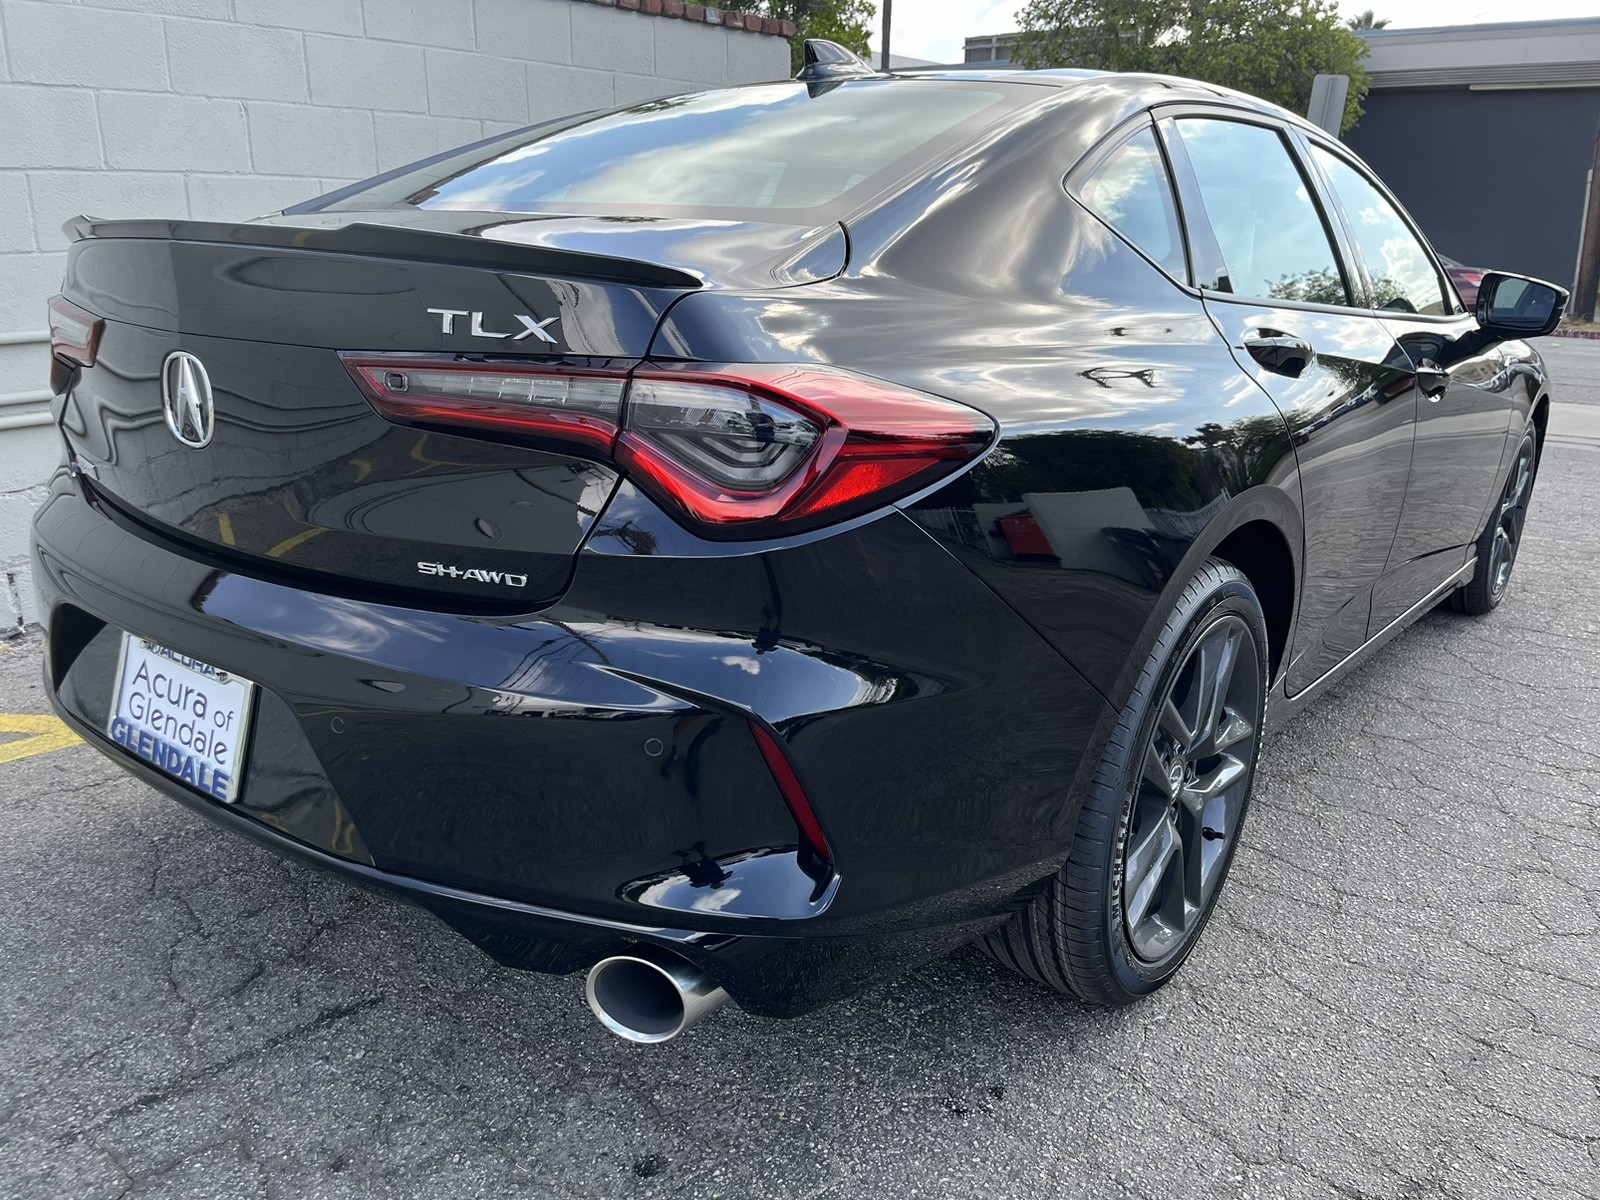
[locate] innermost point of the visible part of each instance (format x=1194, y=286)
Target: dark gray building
x=989, y=48
x=1487, y=134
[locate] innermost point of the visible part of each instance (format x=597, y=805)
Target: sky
x=935, y=29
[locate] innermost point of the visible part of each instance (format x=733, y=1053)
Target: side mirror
x=1515, y=306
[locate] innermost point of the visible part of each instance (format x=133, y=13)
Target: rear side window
x=773, y=147
x=1403, y=278
x=1271, y=235
x=1132, y=192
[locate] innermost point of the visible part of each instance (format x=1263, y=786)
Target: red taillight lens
x=578, y=407
x=737, y=451
x=734, y=440
x=74, y=339
x=74, y=332
x=762, y=450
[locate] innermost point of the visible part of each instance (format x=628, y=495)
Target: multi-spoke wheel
x=1498, y=544
x=1158, y=825
x=1190, y=794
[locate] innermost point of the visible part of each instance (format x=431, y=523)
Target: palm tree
x=1367, y=20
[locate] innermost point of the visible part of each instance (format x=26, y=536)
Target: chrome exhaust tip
x=650, y=995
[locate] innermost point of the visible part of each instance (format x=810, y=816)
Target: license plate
x=184, y=716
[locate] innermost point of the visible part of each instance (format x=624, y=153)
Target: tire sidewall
x=1198, y=609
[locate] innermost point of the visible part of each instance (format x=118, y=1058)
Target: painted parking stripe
x=42, y=735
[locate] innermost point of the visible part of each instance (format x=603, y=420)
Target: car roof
x=1132, y=87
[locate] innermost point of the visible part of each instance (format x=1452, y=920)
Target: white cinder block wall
x=227, y=109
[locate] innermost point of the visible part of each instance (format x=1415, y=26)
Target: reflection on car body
x=908, y=528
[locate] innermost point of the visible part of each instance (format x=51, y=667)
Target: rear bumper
x=770, y=976
x=558, y=785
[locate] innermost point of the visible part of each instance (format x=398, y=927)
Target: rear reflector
x=74, y=339
x=812, y=840
x=733, y=451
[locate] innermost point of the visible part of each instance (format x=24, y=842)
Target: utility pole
x=888, y=13
x=1587, y=283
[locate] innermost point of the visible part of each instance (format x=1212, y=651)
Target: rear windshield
x=771, y=147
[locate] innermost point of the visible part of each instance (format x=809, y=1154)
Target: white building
x=227, y=109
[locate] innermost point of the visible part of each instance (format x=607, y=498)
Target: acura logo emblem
x=186, y=399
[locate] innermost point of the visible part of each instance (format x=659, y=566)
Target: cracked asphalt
x=1399, y=997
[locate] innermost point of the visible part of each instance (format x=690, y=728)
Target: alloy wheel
x=1508, y=524
x=1190, y=793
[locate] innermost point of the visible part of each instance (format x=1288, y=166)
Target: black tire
x=1092, y=934
x=1501, y=538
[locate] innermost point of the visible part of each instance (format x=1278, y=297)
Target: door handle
x=1280, y=353
x=1432, y=379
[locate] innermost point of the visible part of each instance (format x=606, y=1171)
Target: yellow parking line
x=44, y=735
x=289, y=543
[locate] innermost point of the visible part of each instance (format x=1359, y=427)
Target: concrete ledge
x=681, y=11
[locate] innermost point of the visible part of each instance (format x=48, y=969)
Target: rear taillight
x=577, y=407
x=770, y=449
x=734, y=451
x=74, y=338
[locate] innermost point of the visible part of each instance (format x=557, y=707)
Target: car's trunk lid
x=301, y=478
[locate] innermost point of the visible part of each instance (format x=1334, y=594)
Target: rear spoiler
x=371, y=240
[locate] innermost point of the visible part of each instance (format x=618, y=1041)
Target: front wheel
x=1500, y=540
x=1161, y=819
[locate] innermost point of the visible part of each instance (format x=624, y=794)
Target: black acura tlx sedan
x=750, y=543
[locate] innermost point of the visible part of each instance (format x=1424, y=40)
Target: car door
x=1276, y=280
x=1464, y=412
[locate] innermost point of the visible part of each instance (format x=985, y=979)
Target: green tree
x=1368, y=20
x=844, y=21
x=1321, y=286
x=1269, y=48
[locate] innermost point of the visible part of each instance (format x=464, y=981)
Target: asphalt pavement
x=1399, y=997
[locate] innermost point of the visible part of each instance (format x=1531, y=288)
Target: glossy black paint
x=304, y=476
x=560, y=772
x=595, y=758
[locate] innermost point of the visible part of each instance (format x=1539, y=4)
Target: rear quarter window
x=1132, y=192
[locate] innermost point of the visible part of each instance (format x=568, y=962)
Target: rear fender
x=1272, y=504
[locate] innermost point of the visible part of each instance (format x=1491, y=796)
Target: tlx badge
x=530, y=327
